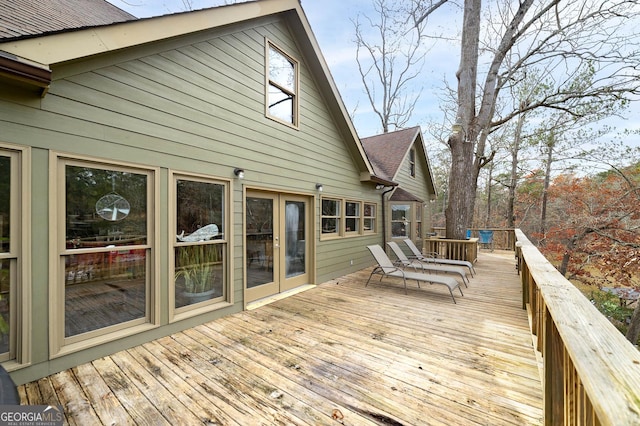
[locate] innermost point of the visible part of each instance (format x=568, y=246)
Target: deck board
x=338, y=353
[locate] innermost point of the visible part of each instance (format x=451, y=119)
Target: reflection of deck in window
x=104, y=289
x=107, y=217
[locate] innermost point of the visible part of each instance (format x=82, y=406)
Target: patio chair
x=416, y=254
x=386, y=268
x=486, y=239
x=403, y=261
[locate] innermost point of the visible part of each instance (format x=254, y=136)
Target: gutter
x=24, y=71
x=384, y=218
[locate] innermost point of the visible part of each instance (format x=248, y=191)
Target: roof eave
x=78, y=43
x=17, y=69
x=366, y=177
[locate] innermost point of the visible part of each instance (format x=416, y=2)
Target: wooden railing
x=503, y=238
x=591, y=373
x=452, y=249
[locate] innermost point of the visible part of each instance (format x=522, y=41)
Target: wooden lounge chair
x=404, y=261
x=386, y=268
x=416, y=254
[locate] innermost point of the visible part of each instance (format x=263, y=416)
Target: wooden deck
x=338, y=353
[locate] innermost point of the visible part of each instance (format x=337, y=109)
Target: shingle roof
x=23, y=18
x=400, y=194
x=386, y=151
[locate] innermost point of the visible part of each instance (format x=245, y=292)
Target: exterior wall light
x=239, y=173
x=379, y=186
x=319, y=187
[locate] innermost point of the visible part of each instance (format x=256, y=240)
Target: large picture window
x=106, y=252
x=200, y=249
x=282, y=86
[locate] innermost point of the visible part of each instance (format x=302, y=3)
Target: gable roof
x=386, y=152
x=24, y=18
x=44, y=52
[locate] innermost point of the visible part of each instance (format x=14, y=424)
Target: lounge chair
x=416, y=254
x=386, y=268
x=403, y=261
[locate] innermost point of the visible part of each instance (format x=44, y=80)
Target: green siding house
x=401, y=157
x=159, y=173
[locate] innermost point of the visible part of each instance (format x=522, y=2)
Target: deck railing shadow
x=591, y=373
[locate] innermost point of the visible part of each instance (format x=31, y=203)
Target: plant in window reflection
x=197, y=267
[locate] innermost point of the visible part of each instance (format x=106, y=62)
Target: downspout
x=384, y=219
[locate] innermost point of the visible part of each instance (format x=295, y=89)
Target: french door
x=276, y=243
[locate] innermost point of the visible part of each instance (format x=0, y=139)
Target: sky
x=331, y=23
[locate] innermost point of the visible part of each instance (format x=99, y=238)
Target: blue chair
x=468, y=233
x=486, y=239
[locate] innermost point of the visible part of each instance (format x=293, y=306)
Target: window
x=330, y=216
x=105, y=249
x=282, y=86
x=412, y=162
x=200, y=242
x=400, y=220
x=418, y=209
x=369, y=217
x=352, y=217
x=9, y=251
x=347, y=217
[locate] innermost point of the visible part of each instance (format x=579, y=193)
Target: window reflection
x=5, y=203
x=95, y=208
x=5, y=305
x=200, y=232
x=282, y=87
x=106, y=283
x=104, y=289
x=400, y=220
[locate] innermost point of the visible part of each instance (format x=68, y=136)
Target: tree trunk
x=513, y=179
x=633, y=333
x=487, y=222
x=547, y=183
x=463, y=176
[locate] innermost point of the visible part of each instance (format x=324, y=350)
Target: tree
x=389, y=64
x=562, y=36
x=594, y=230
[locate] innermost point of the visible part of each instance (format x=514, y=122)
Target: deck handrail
x=503, y=238
x=591, y=373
